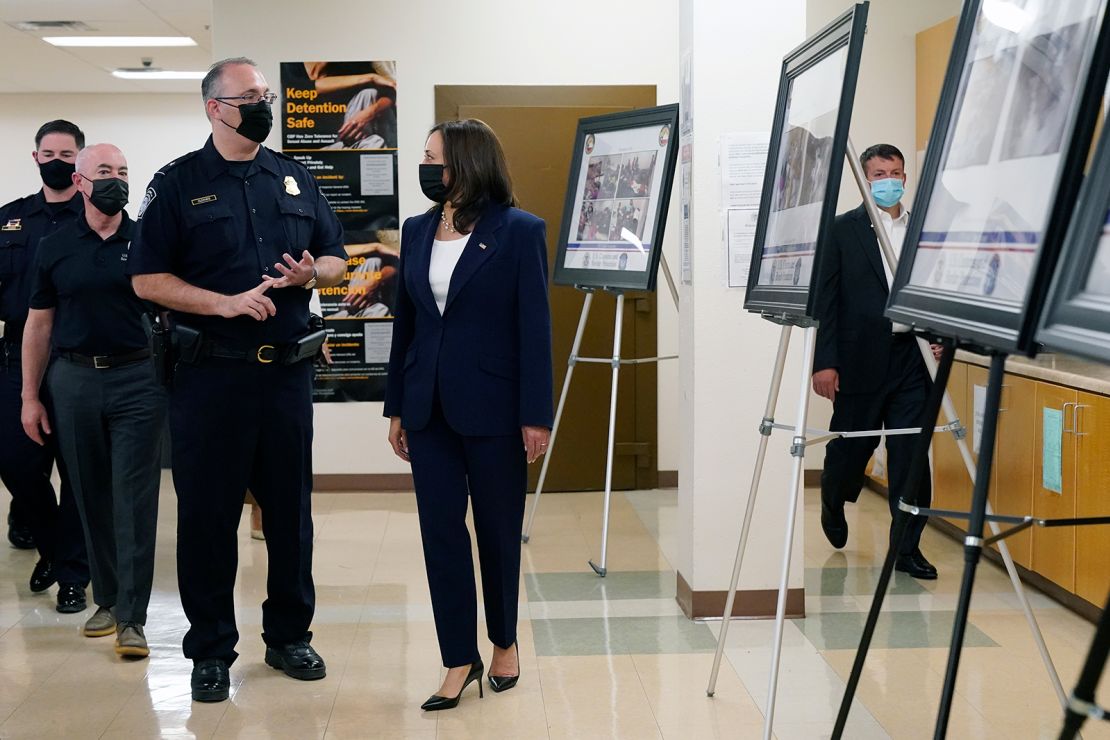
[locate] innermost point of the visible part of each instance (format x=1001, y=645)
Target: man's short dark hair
x=881, y=151
x=60, y=126
x=210, y=85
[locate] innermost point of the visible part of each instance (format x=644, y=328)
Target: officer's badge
x=14, y=224
x=291, y=186
x=147, y=199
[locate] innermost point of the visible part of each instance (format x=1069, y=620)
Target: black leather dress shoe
x=210, y=680
x=907, y=564
x=19, y=535
x=834, y=525
x=923, y=563
x=42, y=577
x=71, y=598
x=298, y=660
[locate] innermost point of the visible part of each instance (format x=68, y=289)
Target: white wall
x=151, y=129
x=885, y=106
x=493, y=42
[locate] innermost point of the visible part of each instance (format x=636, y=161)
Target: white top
x=445, y=255
x=896, y=231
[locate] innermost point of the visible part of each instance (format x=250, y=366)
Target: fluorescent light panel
x=156, y=74
x=119, y=40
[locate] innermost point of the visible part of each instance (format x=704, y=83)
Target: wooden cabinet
x=1092, y=496
x=1012, y=489
x=1054, y=547
x=951, y=483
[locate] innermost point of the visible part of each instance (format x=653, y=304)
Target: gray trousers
x=109, y=428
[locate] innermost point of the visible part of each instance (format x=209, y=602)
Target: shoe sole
x=71, y=609
x=132, y=651
x=101, y=632
x=919, y=576
x=301, y=674
x=211, y=696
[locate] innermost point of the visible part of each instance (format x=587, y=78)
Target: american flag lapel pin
x=481, y=245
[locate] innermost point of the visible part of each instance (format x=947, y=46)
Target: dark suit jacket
x=853, y=335
x=489, y=355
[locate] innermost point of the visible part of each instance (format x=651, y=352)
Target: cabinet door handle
x=1002, y=397
x=1066, y=430
x=1077, y=418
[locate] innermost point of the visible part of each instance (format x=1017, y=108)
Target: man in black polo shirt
x=232, y=238
x=108, y=406
x=35, y=517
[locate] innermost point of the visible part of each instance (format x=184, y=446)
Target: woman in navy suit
x=469, y=393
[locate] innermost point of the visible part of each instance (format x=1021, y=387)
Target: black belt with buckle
x=106, y=362
x=264, y=354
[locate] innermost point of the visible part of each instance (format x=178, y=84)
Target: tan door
x=537, y=126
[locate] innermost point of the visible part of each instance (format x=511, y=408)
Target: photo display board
x=1076, y=318
x=1002, y=171
x=804, y=165
x=617, y=199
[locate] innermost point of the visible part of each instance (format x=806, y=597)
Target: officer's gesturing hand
x=293, y=272
x=251, y=303
x=35, y=418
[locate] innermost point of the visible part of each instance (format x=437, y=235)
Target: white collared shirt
x=896, y=230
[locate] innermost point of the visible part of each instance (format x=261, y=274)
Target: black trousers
x=236, y=426
x=897, y=405
x=25, y=469
x=109, y=428
x=492, y=472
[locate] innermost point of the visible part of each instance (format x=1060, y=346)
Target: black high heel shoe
x=436, y=702
x=504, y=683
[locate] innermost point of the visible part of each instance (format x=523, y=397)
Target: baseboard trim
x=749, y=604
x=668, y=479
x=362, y=482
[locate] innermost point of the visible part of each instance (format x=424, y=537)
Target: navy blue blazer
x=490, y=351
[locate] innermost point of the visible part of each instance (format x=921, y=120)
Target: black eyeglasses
x=252, y=98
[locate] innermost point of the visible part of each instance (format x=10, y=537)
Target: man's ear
x=35, y=156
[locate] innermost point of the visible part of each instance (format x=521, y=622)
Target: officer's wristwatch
x=312, y=280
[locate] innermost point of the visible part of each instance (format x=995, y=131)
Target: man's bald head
x=101, y=160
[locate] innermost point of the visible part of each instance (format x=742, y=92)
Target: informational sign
x=1052, y=443
x=686, y=174
x=339, y=119
x=617, y=198
x=979, y=409
x=743, y=161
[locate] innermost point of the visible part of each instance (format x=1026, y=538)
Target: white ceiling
x=30, y=65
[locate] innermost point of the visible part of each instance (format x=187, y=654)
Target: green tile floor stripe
x=933, y=629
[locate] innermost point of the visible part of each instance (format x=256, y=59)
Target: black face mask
x=57, y=174
x=109, y=196
x=431, y=182
x=257, y=121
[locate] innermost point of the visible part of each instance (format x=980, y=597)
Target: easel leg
x=1003, y=549
x=901, y=523
x=1084, y=695
x=973, y=544
x=527, y=534
x=765, y=434
x=798, y=450
x=670, y=278
x=617, y=327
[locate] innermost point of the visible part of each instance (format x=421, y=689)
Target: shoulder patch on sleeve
x=148, y=197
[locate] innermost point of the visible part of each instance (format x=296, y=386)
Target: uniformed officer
x=108, y=406
x=24, y=466
x=214, y=243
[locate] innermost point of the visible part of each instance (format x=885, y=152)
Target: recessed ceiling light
x=119, y=40
x=143, y=73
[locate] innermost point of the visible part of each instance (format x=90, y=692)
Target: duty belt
x=263, y=354
x=106, y=362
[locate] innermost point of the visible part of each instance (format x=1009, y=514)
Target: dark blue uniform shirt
x=221, y=226
x=82, y=276
x=23, y=223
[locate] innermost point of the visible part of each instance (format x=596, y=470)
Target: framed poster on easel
x=805, y=160
x=617, y=199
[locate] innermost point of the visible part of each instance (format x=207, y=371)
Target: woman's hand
x=398, y=440
x=535, y=441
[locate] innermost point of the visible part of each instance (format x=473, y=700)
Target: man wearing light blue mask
x=871, y=370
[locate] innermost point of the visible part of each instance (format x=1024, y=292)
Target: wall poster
x=339, y=119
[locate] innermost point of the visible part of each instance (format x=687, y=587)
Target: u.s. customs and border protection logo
x=148, y=197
